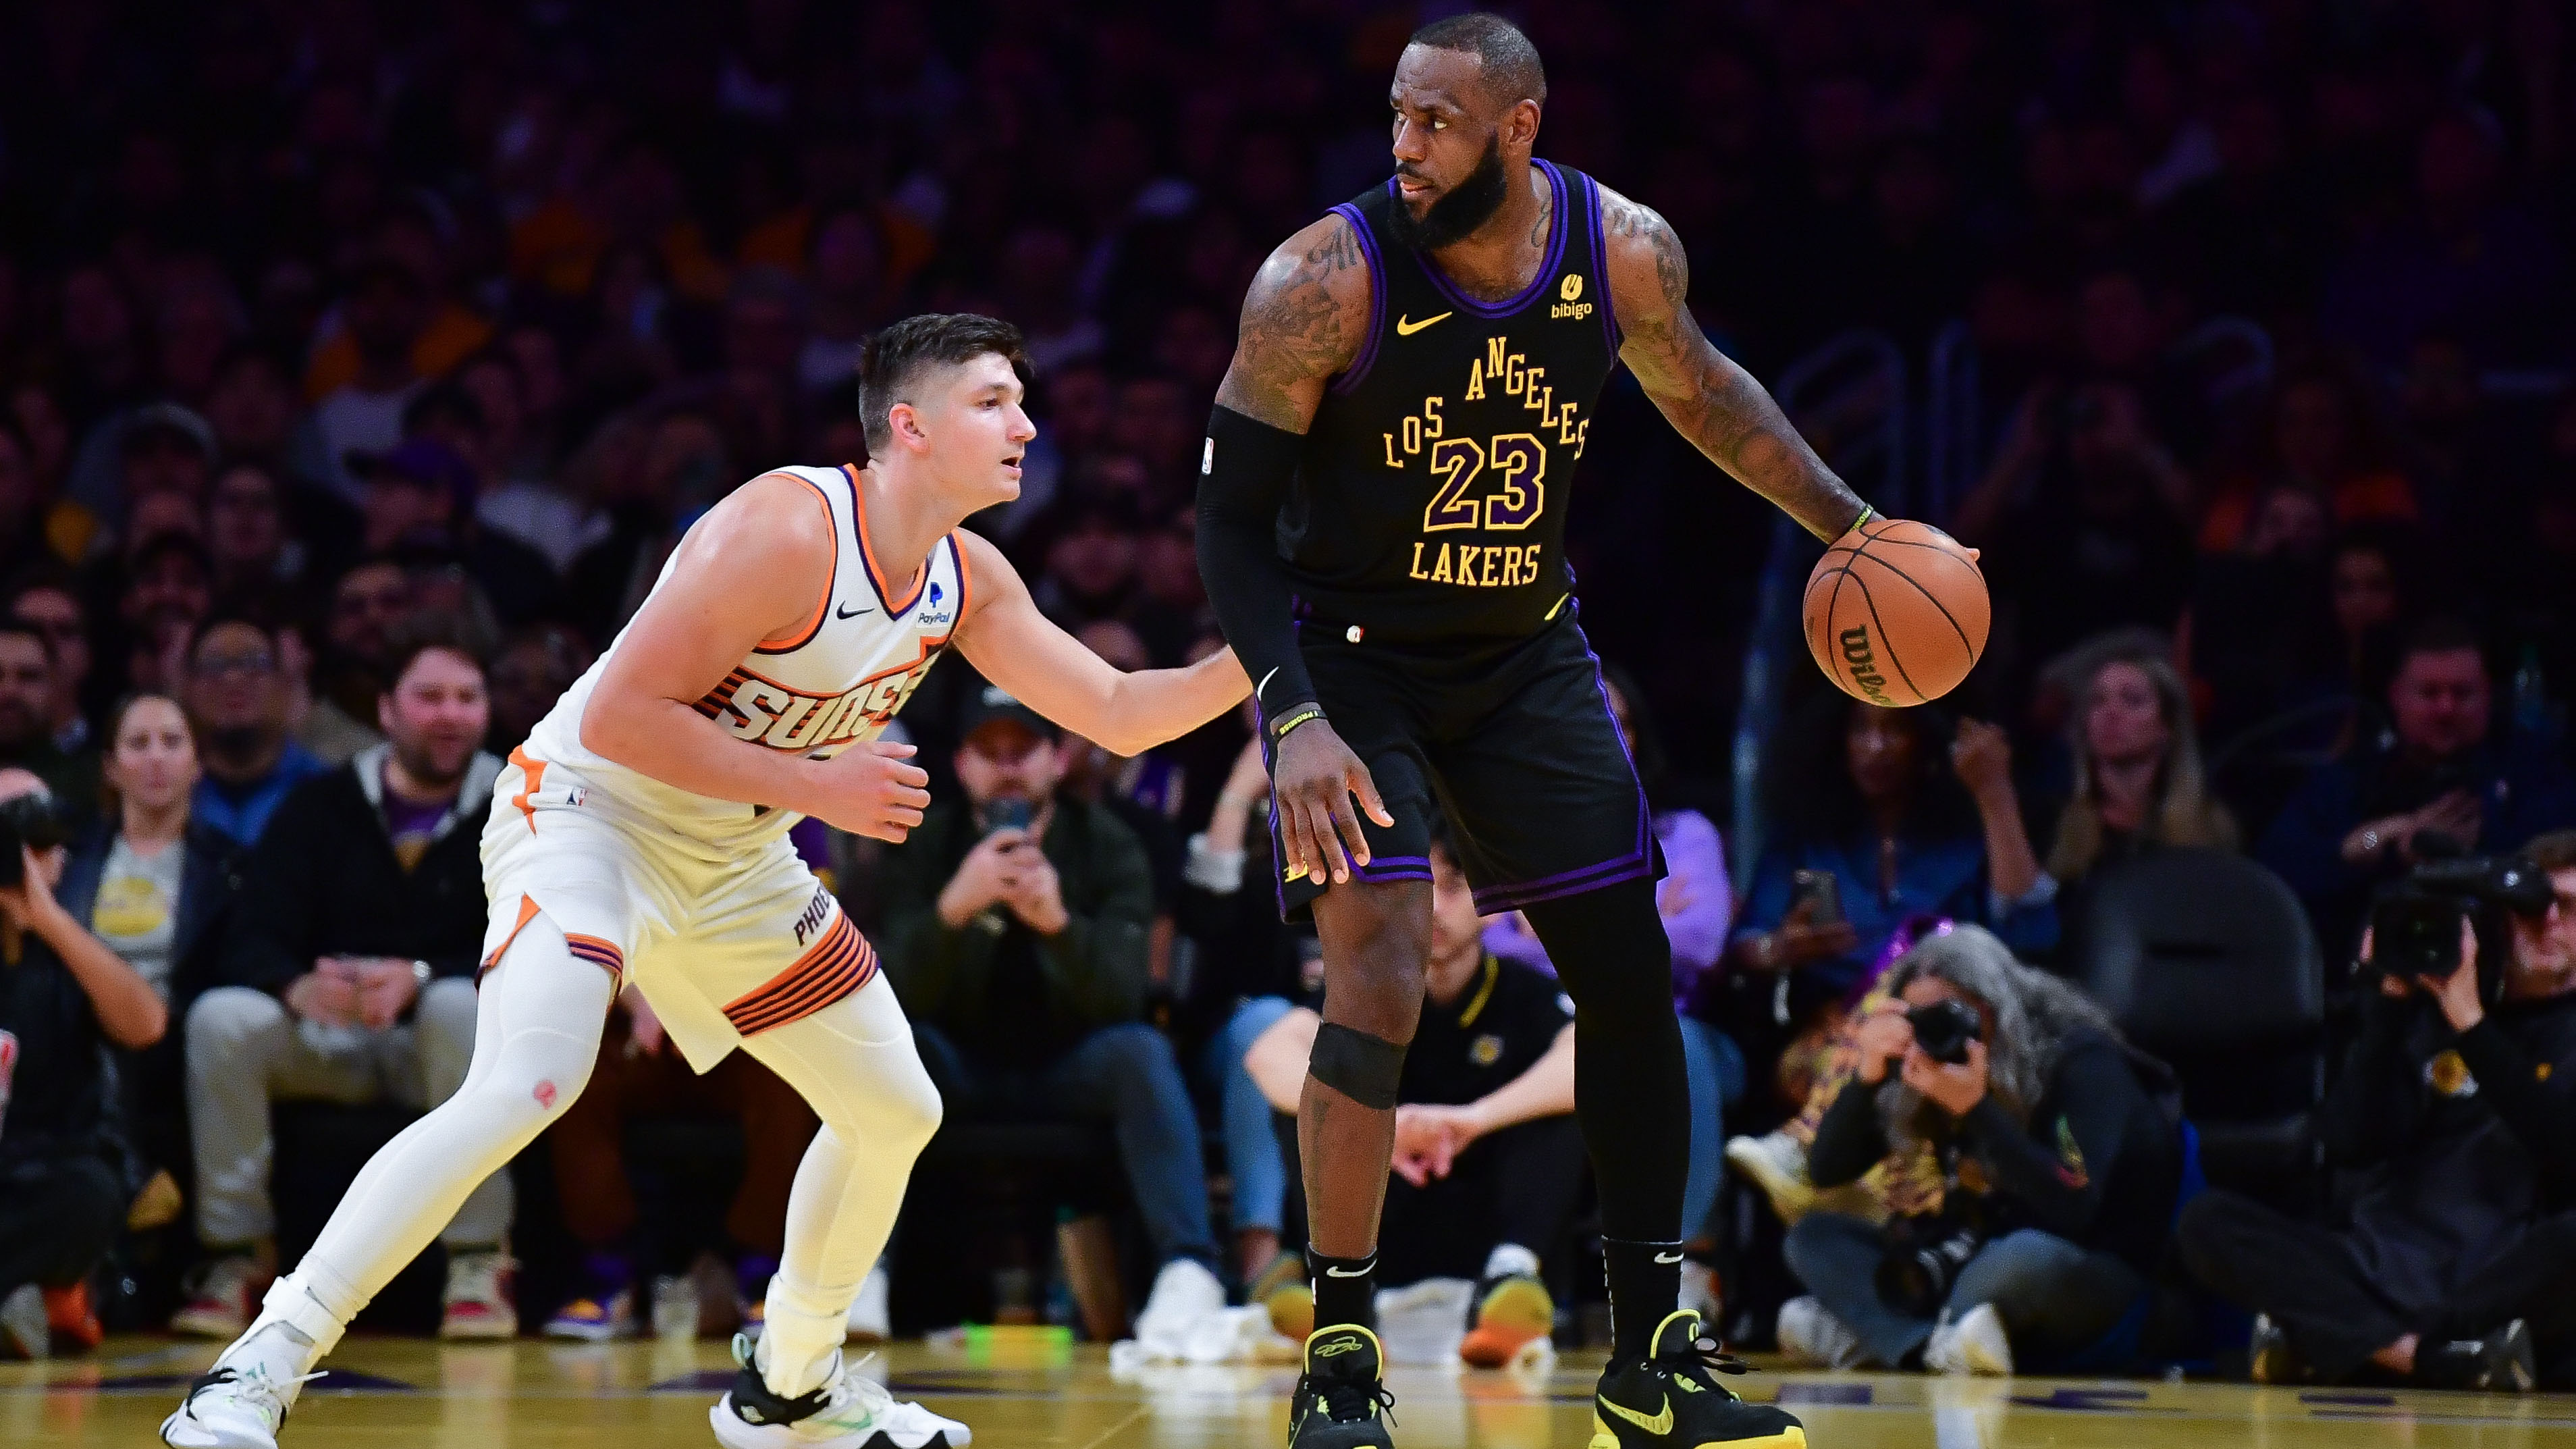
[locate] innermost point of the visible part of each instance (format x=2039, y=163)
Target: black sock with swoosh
x=1345, y=1289
x=1645, y=1283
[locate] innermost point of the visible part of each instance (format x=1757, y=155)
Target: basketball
x=1896, y=613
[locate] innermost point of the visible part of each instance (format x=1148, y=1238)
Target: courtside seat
x=2207, y=961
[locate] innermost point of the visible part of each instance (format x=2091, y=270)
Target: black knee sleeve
x=1361, y=1067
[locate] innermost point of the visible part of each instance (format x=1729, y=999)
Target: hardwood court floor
x=532, y=1395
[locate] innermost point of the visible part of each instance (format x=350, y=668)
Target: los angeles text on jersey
x=1496, y=483
x=766, y=712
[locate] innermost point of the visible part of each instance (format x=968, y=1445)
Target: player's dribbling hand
x=869, y=790
x=1317, y=779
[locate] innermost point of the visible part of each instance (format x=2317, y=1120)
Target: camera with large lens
x=27, y=822
x=2415, y=922
x=1944, y=1028
x=1924, y=1256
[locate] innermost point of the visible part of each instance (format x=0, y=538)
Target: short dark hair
x=1511, y=64
x=2553, y=851
x=13, y=627
x=2441, y=634
x=420, y=634
x=229, y=612
x=897, y=354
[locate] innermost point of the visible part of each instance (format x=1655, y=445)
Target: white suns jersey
x=851, y=664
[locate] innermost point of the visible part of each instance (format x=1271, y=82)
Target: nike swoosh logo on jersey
x=1406, y=326
x=844, y=611
x=1659, y=1425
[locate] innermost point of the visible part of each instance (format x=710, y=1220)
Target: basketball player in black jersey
x=1381, y=527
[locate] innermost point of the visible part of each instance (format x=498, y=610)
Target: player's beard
x=1455, y=216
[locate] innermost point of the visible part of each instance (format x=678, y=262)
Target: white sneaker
x=225, y=1300
x=232, y=1407
x=482, y=1301
x=1185, y=1292
x=869, y=1321
x=1777, y=1163
x=1976, y=1344
x=23, y=1330
x=1811, y=1334
x=1701, y=1292
x=850, y=1411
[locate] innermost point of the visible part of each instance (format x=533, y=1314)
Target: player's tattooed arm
x=1304, y=319
x=1724, y=412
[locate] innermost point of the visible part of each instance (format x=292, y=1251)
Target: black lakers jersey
x=1430, y=500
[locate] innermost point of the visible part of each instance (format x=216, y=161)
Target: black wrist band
x=1302, y=714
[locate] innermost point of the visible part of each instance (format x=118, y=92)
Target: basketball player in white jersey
x=641, y=834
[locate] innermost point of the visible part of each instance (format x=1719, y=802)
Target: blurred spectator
x=236, y=697
x=22, y=506
x=155, y=885
x=1878, y=821
x=2322, y=435
x=2138, y=780
x=385, y=313
x=367, y=605
x=1698, y=904
x=532, y=671
x=2442, y=768
x=640, y=1073
x=420, y=498
x=348, y=975
x=2085, y=516
x=1488, y=1158
x=28, y=689
x=1015, y=926
x=47, y=603
x=247, y=535
x=2459, y=1247
x=2064, y=1157
x=169, y=587
x=64, y=998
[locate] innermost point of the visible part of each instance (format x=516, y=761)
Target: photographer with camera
x=2062, y=1160
x=63, y=997
x=2457, y=1267
x=1015, y=928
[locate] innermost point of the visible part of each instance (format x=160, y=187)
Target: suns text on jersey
x=765, y=712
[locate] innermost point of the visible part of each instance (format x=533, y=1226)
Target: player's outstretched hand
x=868, y=790
x=1318, y=779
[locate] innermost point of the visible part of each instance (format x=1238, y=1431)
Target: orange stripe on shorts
x=830, y=969
x=535, y=770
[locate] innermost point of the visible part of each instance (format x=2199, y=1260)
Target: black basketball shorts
x=1513, y=741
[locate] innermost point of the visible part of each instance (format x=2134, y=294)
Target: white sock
x=1511, y=1260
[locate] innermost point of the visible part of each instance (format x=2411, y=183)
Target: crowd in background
x=361, y=364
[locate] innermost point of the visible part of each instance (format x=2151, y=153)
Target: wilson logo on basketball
x=1863, y=664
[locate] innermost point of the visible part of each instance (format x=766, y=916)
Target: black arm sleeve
x=1849, y=1141
x=1242, y=485
x=2539, y=1115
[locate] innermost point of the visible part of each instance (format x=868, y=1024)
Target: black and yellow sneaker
x=1339, y=1402
x=1671, y=1399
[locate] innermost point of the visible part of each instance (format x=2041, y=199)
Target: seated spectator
x=2062, y=1158
x=420, y=497
x=169, y=589
x=2442, y=769
x=64, y=996
x=155, y=884
x=640, y=1073
x=1488, y=1158
x=49, y=603
x=236, y=695
x=2138, y=781
x=367, y=605
x=1893, y=825
x=534, y=668
x=1015, y=928
x=247, y=533
x=1698, y=903
x=27, y=693
x=348, y=976
x=2321, y=433
x=2457, y=1261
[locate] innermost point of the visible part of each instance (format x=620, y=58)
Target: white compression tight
x=537, y=1032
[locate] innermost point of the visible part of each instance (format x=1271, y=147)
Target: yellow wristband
x=1295, y=717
